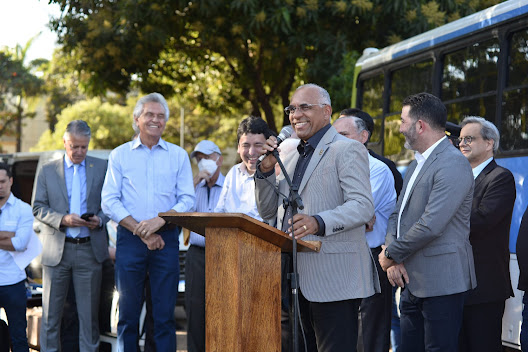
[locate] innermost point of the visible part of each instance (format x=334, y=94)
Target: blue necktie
x=75, y=199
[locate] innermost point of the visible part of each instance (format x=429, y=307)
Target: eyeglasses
x=467, y=140
x=290, y=110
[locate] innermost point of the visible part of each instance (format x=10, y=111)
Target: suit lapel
x=492, y=165
x=317, y=156
x=89, y=166
x=59, y=167
x=439, y=148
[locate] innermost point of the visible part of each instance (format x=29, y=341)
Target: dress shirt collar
x=420, y=158
x=69, y=163
x=10, y=201
x=305, y=147
x=477, y=170
x=137, y=142
x=243, y=170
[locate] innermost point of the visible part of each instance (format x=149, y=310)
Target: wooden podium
x=242, y=280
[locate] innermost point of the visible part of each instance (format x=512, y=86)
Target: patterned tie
x=75, y=201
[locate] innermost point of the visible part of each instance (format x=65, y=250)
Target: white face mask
x=207, y=165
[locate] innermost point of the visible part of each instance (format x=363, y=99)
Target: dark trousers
x=482, y=327
x=375, y=314
x=395, y=323
x=330, y=326
x=432, y=323
x=13, y=299
x=195, y=298
x=133, y=261
x=524, y=326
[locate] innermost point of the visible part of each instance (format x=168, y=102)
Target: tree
x=17, y=84
x=267, y=45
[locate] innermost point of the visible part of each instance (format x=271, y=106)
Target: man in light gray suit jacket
x=73, y=246
x=332, y=173
x=427, y=245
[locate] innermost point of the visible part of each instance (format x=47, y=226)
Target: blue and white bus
x=477, y=65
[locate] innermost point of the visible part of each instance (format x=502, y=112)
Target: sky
x=20, y=20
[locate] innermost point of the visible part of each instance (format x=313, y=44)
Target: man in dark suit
x=73, y=246
x=491, y=214
x=522, y=259
x=427, y=245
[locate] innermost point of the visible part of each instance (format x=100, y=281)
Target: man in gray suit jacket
x=73, y=246
x=332, y=173
x=427, y=245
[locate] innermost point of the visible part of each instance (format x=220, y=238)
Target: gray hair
x=78, y=128
x=151, y=98
x=360, y=124
x=323, y=94
x=487, y=129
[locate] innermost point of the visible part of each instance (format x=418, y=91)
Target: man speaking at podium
x=332, y=175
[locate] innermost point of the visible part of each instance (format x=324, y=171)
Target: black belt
x=77, y=240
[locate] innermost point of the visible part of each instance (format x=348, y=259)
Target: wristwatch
x=387, y=254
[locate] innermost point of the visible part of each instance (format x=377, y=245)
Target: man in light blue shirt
x=376, y=310
x=208, y=185
x=16, y=229
x=145, y=177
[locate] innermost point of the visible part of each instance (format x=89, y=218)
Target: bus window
x=514, y=134
x=373, y=95
x=411, y=79
x=483, y=106
x=471, y=71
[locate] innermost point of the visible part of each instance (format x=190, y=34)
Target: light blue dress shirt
x=142, y=182
x=16, y=217
x=477, y=170
x=384, y=195
x=206, y=204
x=68, y=175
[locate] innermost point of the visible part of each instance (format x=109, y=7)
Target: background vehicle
x=477, y=65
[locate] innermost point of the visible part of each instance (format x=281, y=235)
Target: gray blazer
x=336, y=187
x=434, y=227
x=50, y=204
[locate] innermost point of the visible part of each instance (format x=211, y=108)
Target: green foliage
x=227, y=59
x=111, y=125
x=17, y=84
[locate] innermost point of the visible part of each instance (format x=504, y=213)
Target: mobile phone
x=87, y=216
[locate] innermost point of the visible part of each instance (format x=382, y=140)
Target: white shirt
x=384, y=195
x=420, y=159
x=238, y=193
x=477, y=170
x=16, y=217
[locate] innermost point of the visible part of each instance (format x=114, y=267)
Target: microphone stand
x=295, y=202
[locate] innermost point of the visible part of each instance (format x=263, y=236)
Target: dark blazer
x=522, y=253
x=491, y=214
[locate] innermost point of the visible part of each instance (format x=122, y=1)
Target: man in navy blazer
x=427, y=245
x=491, y=214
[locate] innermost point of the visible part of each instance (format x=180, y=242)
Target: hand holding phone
x=87, y=216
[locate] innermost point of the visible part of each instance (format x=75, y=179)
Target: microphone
x=286, y=132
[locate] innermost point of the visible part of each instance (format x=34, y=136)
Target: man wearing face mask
x=208, y=186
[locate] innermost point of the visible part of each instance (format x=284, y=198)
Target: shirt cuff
x=322, y=226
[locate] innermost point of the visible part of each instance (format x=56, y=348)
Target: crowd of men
x=441, y=234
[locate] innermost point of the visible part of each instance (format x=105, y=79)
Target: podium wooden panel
x=243, y=283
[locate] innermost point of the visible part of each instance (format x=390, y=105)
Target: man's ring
x=305, y=228
x=144, y=231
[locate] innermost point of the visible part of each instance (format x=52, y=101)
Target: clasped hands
x=396, y=273
x=146, y=230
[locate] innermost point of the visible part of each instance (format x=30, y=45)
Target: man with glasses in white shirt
x=147, y=176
